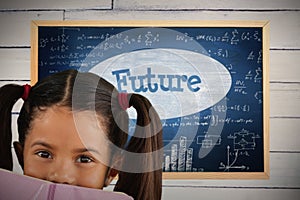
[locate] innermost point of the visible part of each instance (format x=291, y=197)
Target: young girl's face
x=54, y=150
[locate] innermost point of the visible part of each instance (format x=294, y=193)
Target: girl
x=73, y=129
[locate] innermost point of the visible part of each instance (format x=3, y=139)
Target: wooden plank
x=284, y=134
x=284, y=66
x=212, y=4
x=283, y=25
x=15, y=64
x=281, y=137
x=279, y=162
x=284, y=100
x=55, y=4
x=15, y=29
x=149, y=23
x=14, y=127
x=284, y=173
x=284, y=97
x=16, y=167
x=192, y=193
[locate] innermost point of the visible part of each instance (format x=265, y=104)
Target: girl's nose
x=62, y=172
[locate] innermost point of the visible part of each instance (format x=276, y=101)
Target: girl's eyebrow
x=83, y=150
x=41, y=143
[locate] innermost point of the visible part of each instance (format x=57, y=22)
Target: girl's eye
x=84, y=159
x=44, y=154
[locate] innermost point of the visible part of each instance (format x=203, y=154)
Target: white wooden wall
x=284, y=16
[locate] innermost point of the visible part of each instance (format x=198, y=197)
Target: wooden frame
x=262, y=26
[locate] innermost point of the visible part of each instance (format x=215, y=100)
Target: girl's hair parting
x=59, y=90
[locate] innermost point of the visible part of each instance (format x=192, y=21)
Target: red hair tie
x=26, y=91
x=123, y=100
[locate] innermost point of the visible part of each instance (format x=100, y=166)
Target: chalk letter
x=192, y=81
x=149, y=76
x=133, y=86
x=161, y=80
x=122, y=80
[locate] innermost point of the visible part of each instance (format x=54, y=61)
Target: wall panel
x=15, y=64
x=212, y=4
x=284, y=26
x=54, y=4
x=15, y=26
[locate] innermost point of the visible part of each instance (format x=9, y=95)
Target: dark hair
x=92, y=93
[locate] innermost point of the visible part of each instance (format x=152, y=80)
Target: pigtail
x=148, y=185
x=9, y=94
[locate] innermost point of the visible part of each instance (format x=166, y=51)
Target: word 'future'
x=152, y=82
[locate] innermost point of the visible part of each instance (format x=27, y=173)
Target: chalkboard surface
x=221, y=129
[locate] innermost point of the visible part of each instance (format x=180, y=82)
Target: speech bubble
x=177, y=82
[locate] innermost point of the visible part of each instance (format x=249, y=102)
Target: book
x=16, y=186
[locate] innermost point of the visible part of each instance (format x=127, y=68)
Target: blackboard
x=208, y=79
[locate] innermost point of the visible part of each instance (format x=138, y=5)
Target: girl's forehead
x=58, y=122
x=55, y=114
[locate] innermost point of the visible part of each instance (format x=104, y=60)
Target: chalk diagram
x=243, y=142
x=208, y=141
